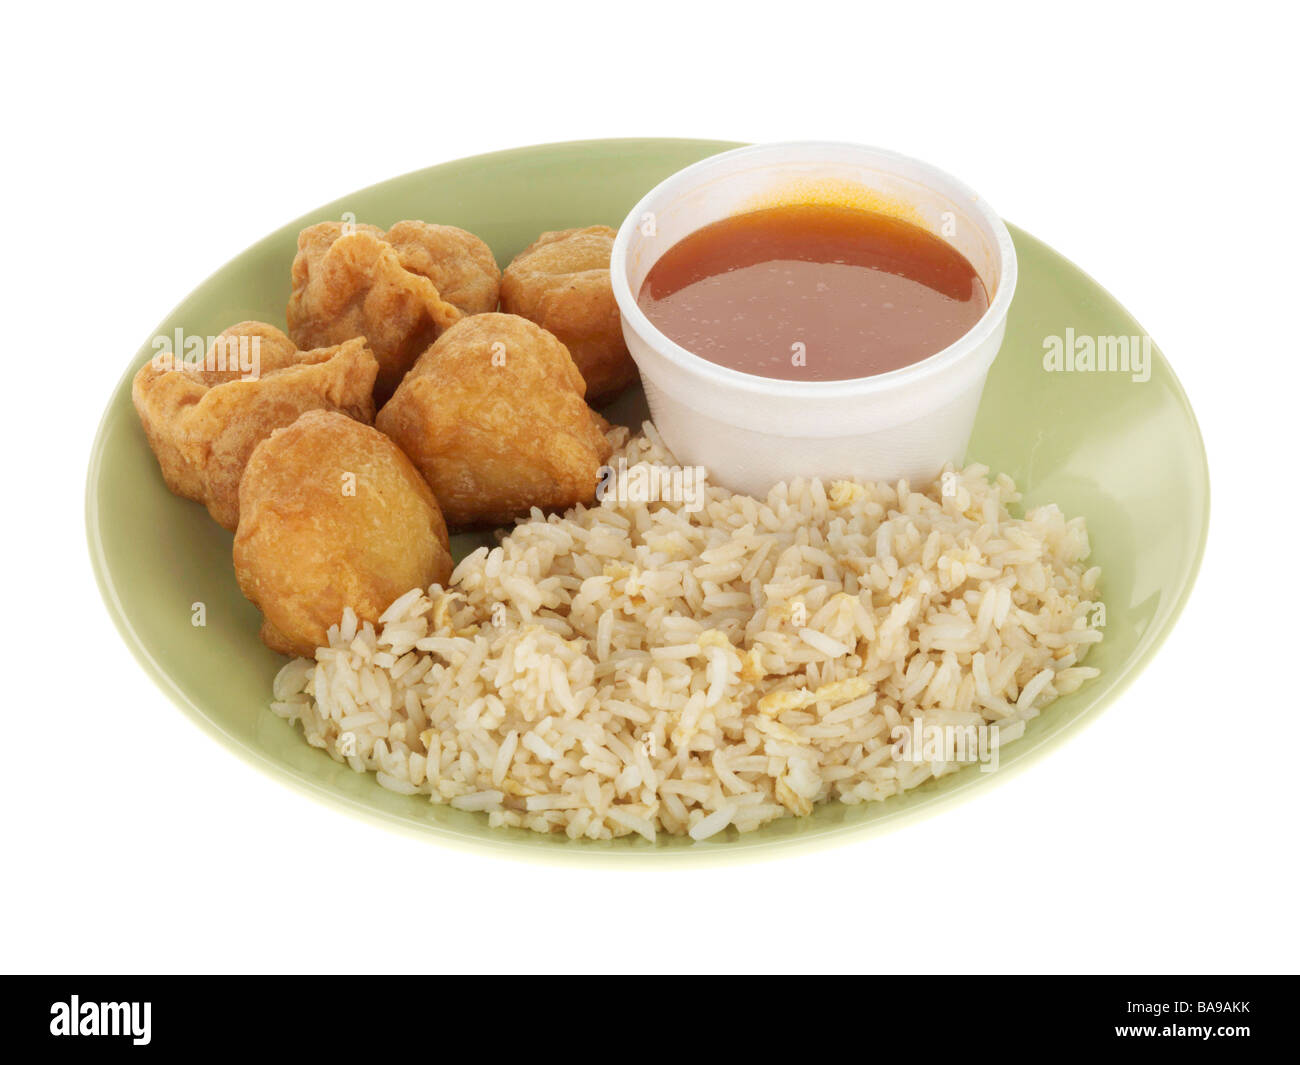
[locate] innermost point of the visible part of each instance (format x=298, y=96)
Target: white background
x=1153, y=147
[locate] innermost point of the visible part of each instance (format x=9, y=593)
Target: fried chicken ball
x=203, y=417
x=561, y=282
x=493, y=416
x=398, y=289
x=333, y=515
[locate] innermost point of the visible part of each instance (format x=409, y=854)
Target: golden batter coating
x=204, y=418
x=561, y=282
x=493, y=416
x=398, y=289
x=333, y=515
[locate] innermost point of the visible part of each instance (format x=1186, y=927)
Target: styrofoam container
x=750, y=432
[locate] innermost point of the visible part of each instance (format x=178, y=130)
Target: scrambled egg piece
x=845, y=493
x=793, y=802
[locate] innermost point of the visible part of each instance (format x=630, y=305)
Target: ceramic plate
x=1126, y=454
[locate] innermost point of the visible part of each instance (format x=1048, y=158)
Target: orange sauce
x=813, y=292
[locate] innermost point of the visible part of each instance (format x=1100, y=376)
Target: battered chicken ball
x=398, y=289
x=333, y=515
x=493, y=416
x=204, y=415
x=561, y=282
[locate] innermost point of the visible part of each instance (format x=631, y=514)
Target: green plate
x=1127, y=455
